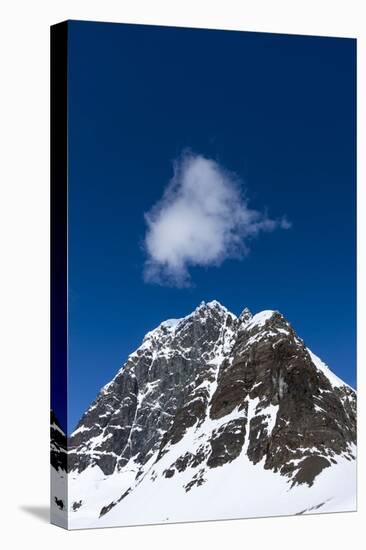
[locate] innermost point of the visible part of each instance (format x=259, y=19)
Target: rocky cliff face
x=170, y=370
x=202, y=391
x=58, y=452
x=58, y=445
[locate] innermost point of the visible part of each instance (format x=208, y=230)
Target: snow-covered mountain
x=214, y=416
x=58, y=458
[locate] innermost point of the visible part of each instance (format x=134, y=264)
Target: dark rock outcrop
x=58, y=448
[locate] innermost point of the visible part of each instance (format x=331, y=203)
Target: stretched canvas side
x=58, y=426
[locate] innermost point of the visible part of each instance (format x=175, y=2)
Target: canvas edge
x=58, y=254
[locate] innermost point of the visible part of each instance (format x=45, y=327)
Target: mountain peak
x=212, y=305
x=260, y=319
x=245, y=315
x=209, y=391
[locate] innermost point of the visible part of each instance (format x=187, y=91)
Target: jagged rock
x=77, y=505
x=58, y=449
x=309, y=468
x=227, y=442
x=59, y=503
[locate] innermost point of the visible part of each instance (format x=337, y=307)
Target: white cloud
x=202, y=219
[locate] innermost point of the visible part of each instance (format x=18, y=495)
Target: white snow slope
x=236, y=490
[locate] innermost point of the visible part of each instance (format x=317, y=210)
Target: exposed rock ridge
x=58, y=448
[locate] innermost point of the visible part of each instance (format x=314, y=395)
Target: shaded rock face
x=243, y=385
x=227, y=442
x=156, y=396
x=58, y=445
x=272, y=368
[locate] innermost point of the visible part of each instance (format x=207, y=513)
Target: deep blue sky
x=277, y=110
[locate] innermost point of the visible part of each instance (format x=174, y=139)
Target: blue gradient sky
x=277, y=110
